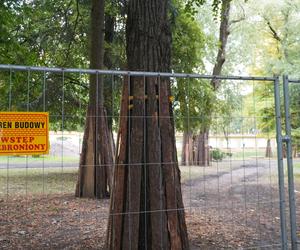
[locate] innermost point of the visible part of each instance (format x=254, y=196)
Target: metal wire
x=224, y=188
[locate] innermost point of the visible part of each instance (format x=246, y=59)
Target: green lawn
x=37, y=181
x=42, y=158
x=297, y=172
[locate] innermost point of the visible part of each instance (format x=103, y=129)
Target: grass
x=41, y=159
x=248, y=154
x=52, y=180
x=37, y=181
x=297, y=172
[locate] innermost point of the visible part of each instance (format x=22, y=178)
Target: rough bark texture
x=96, y=158
x=146, y=210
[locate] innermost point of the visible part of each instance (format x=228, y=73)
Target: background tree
x=278, y=48
x=198, y=142
x=44, y=33
x=188, y=49
x=96, y=158
x=146, y=176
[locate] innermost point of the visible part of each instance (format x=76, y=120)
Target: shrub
x=217, y=154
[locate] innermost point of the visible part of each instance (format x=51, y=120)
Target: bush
x=217, y=154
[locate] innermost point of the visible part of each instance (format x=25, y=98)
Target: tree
x=45, y=33
x=146, y=205
x=96, y=158
x=188, y=49
x=198, y=142
x=278, y=46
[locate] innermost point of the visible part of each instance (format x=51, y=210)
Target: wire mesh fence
x=291, y=94
x=225, y=148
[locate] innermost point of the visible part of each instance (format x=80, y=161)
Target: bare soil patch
x=231, y=208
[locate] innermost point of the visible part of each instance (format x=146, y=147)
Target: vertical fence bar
x=288, y=140
x=280, y=165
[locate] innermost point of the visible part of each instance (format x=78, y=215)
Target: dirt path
x=236, y=206
x=231, y=207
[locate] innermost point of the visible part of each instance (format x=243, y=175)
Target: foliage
x=228, y=109
x=295, y=114
x=192, y=6
x=217, y=154
x=279, y=45
x=50, y=33
x=188, y=49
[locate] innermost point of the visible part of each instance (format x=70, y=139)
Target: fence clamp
x=286, y=139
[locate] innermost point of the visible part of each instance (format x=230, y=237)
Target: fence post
x=288, y=141
x=280, y=165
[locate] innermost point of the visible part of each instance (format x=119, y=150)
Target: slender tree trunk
x=269, y=152
x=146, y=208
x=187, y=153
x=295, y=151
x=203, y=154
x=202, y=157
x=96, y=158
x=108, y=88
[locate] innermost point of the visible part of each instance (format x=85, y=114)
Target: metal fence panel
x=238, y=201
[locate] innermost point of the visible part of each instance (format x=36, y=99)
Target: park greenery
x=139, y=171
x=263, y=41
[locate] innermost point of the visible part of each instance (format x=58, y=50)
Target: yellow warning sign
x=24, y=133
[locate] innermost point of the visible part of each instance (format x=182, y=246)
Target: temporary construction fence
x=236, y=198
x=288, y=139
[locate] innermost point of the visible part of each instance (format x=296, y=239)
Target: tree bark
x=269, y=152
x=202, y=157
x=223, y=38
x=96, y=158
x=146, y=208
x=187, y=153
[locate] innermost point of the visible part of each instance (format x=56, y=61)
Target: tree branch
x=223, y=37
x=273, y=31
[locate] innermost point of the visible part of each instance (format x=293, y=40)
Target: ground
x=231, y=204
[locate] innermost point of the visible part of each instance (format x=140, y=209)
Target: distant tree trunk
x=295, y=151
x=187, y=153
x=146, y=176
x=96, y=158
x=269, y=152
x=203, y=154
x=202, y=157
x=284, y=150
x=108, y=63
x=108, y=86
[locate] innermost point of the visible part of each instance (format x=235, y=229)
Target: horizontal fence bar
x=293, y=81
x=132, y=73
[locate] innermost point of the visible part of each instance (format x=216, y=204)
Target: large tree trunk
x=96, y=158
x=146, y=208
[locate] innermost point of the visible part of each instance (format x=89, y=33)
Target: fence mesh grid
x=291, y=94
x=230, y=202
